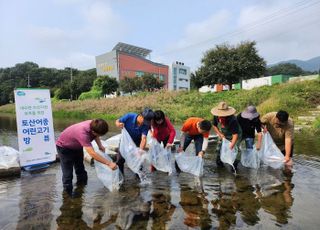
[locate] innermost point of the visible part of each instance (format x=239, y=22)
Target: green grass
x=296, y=98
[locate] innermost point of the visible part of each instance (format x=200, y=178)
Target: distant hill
x=309, y=65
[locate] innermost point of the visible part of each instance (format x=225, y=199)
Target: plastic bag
x=226, y=154
x=250, y=158
x=134, y=156
x=9, y=158
x=270, y=153
x=113, y=142
x=111, y=179
x=160, y=157
x=190, y=164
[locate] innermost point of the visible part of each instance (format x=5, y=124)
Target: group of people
x=236, y=129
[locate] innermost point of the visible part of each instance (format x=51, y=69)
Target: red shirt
x=162, y=131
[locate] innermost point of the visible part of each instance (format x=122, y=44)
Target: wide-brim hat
x=223, y=110
x=250, y=113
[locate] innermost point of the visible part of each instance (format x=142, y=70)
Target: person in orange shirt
x=197, y=129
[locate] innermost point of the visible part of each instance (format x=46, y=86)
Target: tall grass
x=294, y=97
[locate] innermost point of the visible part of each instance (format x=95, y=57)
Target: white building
x=179, y=76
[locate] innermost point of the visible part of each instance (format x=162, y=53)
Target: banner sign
x=35, y=126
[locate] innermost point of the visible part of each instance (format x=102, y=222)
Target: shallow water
x=263, y=199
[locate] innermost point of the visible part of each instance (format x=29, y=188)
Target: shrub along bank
x=296, y=98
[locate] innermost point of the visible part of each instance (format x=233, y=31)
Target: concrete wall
x=304, y=78
x=106, y=64
x=256, y=82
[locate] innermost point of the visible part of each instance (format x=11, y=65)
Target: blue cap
x=148, y=115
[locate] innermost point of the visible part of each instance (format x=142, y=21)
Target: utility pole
x=71, y=79
x=28, y=81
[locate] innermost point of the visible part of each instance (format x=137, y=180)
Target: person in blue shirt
x=138, y=126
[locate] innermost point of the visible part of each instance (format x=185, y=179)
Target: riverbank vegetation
x=296, y=98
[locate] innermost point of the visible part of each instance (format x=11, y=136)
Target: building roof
x=132, y=49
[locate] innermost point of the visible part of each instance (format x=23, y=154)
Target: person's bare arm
x=234, y=140
x=143, y=142
x=99, y=158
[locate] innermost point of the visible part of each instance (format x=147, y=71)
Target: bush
x=93, y=94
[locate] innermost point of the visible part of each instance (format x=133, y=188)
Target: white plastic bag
x=190, y=164
x=111, y=179
x=113, y=142
x=134, y=156
x=9, y=158
x=250, y=158
x=226, y=154
x=160, y=157
x=270, y=153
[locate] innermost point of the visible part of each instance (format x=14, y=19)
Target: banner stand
x=35, y=128
x=36, y=167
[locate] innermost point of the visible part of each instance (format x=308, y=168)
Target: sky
x=64, y=33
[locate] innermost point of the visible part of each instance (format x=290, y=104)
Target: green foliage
x=51, y=78
x=227, y=64
x=286, y=69
x=93, y=94
x=149, y=83
x=105, y=84
x=146, y=83
x=195, y=81
x=129, y=85
x=316, y=124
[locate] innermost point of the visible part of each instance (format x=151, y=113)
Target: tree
x=129, y=85
x=195, y=81
x=105, y=84
x=286, y=69
x=227, y=64
x=150, y=83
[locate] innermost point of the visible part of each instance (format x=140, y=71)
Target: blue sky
x=61, y=33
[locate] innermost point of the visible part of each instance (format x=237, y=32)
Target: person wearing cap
x=281, y=128
x=196, y=129
x=225, y=125
x=249, y=121
x=138, y=126
x=70, y=146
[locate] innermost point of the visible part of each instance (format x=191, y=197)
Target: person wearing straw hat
x=225, y=125
x=249, y=120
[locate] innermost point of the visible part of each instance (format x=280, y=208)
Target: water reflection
x=241, y=197
x=162, y=206
x=71, y=210
x=195, y=207
x=36, y=202
x=279, y=202
x=253, y=199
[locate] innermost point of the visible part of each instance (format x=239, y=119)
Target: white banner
x=35, y=126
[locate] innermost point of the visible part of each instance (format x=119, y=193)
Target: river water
x=263, y=199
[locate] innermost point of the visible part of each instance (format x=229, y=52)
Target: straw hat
x=223, y=110
x=250, y=113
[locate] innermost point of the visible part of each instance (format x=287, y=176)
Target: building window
x=183, y=71
x=175, y=87
x=175, y=79
x=161, y=77
x=139, y=73
x=183, y=79
x=183, y=88
x=174, y=71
